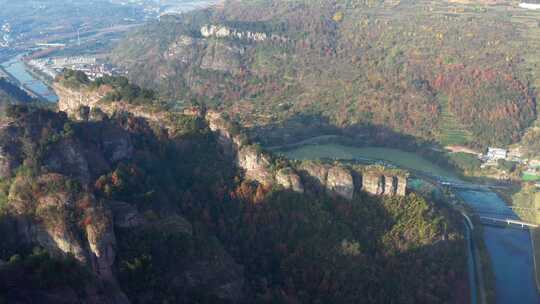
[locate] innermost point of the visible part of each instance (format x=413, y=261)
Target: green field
x=336, y=151
x=530, y=177
x=451, y=131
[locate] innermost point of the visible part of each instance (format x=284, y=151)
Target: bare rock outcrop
x=65, y=222
x=315, y=174
x=256, y=165
x=333, y=179
x=340, y=182
x=221, y=31
x=183, y=49
x=67, y=157
x=222, y=56
x=101, y=241
x=71, y=100
x=290, y=180
x=378, y=182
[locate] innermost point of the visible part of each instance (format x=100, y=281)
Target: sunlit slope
x=457, y=73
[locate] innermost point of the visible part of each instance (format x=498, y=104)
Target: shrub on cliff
x=39, y=270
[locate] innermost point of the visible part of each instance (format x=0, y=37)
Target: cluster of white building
x=52, y=67
x=531, y=6
x=493, y=155
x=5, y=35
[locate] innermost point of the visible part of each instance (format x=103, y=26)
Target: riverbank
x=19, y=73
x=484, y=267
x=535, y=242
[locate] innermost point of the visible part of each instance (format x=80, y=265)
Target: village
x=495, y=157
x=91, y=66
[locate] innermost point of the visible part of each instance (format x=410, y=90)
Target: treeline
x=122, y=90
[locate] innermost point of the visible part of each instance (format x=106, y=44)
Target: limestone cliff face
x=381, y=183
x=373, y=183
x=256, y=164
x=221, y=31
x=48, y=216
x=334, y=180
x=340, y=182
x=222, y=56
x=289, y=179
x=74, y=99
x=183, y=50
x=317, y=173
x=101, y=241
x=223, y=129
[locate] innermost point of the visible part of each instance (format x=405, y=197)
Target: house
x=495, y=154
x=516, y=155
x=534, y=163
x=531, y=6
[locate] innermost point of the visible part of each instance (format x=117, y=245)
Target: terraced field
x=451, y=131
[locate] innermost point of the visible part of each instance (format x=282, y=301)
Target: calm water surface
x=16, y=68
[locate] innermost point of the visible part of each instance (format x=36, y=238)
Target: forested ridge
x=190, y=228
x=450, y=72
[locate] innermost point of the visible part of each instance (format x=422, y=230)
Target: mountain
x=453, y=72
x=120, y=199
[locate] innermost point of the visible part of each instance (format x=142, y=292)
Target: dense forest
x=450, y=72
x=189, y=228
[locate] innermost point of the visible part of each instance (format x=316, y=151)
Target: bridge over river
x=509, y=222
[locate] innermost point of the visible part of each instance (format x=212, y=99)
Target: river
x=510, y=249
x=17, y=69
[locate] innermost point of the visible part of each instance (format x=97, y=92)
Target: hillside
x=456, y=73
x=12, y=93
x=126, y=201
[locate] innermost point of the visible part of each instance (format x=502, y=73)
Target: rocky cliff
x=256, y=164
x=182, y=208
x=54, y=169
x=222, y=31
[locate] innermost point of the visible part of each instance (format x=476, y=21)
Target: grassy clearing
x=451, y=131
x=530, y=177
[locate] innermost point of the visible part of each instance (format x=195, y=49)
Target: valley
x=240, y=151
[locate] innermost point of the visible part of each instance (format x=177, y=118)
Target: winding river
x=510, y=249
x=16, y=69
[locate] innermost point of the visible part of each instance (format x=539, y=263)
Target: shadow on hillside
x=305, y=126
x=305, y=129
x=388, y=268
